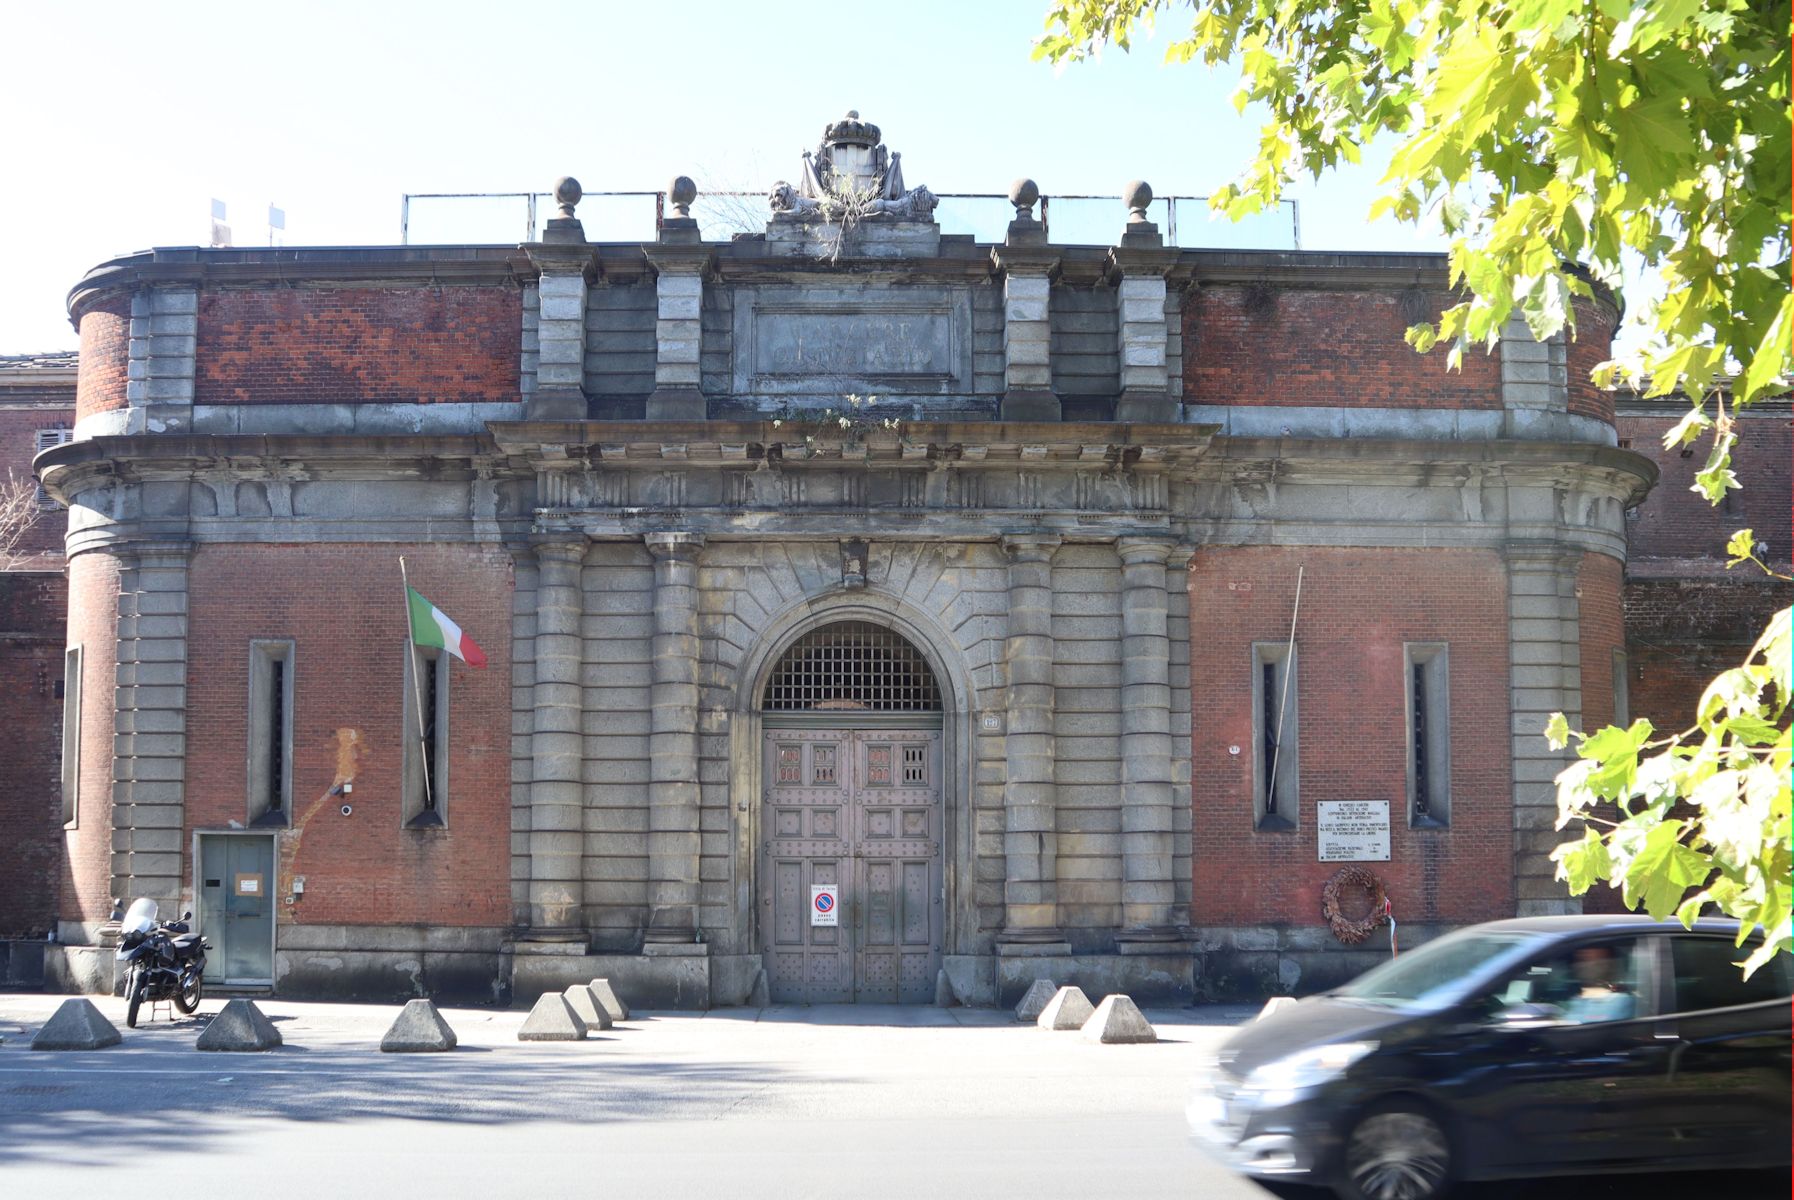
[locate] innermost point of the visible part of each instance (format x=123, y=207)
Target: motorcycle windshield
x=140, y=917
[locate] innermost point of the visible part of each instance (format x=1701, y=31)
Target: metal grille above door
x=852, y=666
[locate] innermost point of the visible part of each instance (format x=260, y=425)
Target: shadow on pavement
x=102, y=1107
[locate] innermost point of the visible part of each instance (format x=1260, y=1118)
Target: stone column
x=1148, y=893
x=680, y=259
x=567, y=265
x=149, y=745
x=1545, y=676
x=1028, y=267
x=557, y=747
x=1140, y=263
x=673, y=796
x=1030, y=826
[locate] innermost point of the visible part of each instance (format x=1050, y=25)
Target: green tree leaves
x=1588, y=132
x=1699, y=819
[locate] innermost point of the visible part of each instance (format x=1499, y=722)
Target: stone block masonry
x=1545, y=647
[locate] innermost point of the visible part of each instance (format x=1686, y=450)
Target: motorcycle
x=165, y=961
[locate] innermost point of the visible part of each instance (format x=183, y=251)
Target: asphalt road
x=832, y=1103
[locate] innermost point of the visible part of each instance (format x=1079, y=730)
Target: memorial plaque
x=1353, y=830
x=829, y=342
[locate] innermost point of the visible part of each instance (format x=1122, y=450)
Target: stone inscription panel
x=895, y=341
x=1353, y=830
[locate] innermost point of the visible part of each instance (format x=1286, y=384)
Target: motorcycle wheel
x=134, y=989
x=187, y=999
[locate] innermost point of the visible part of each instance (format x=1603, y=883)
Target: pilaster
x=1030, y=826
x=1139, y=267
x=149, y=745
x=673, y=792
x=1177, y=625
x=1535, y=381
x=1027, y=331
x=680, y=261
x=1545, y=676
x=556, y=791
x=567, y=268
x=160, y=363
x=1148, y=895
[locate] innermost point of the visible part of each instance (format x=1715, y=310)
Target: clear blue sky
x=129, y=118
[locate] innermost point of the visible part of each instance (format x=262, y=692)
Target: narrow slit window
x=270, y=732
x=1276, y=767
x=71, y=734
x=1429, y=735
x=1622, y=690
x=426, y=735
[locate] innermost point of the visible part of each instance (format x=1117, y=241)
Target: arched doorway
x=851, y=801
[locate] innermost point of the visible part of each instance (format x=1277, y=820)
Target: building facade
x=1028, y=609
x=37, y=411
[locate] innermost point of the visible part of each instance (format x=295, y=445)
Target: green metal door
x=236, y=907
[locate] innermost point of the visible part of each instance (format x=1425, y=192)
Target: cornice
x=300, y=267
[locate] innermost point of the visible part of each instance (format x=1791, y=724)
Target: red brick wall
x=343, y=608
x=105, y=353
x=93, y=625
x=1358, y=608
x=359, y=345
x=32, y=607
x=1675, y=522
x=1603, y=631
x=1336, y=349
x=1591, y=346
x=18, y=441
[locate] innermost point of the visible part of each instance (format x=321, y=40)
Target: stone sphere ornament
x=1024, y=194
x=682, y=191
x=1137, y=196
x=567, y=194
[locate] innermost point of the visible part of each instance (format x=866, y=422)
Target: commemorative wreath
x=1352, y=930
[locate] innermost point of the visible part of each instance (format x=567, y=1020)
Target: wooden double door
x=859, y=809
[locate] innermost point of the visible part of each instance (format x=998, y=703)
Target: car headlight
x=1278, y=1082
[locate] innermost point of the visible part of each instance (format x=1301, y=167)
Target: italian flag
x=430, y=626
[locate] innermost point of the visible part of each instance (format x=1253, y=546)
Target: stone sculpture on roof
x=852, y=162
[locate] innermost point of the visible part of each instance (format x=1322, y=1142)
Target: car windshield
x=1436, y=974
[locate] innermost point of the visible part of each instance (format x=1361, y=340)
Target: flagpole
x=417, y=688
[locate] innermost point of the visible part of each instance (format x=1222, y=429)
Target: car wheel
x=1396, y=1153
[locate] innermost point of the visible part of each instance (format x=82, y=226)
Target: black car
x=1531, y=1047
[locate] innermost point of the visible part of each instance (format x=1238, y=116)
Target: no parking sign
x=825, y=904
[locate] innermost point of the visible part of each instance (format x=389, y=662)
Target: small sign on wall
x=825, y=904
x=1353, y=830
x=249, y=885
